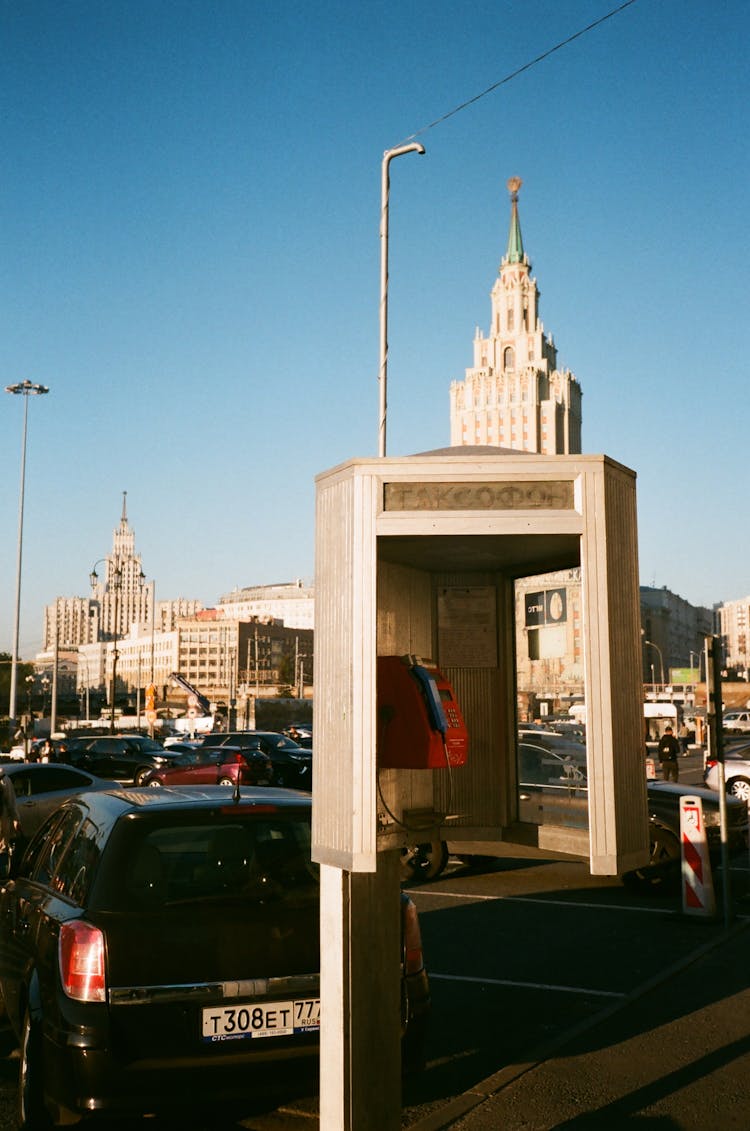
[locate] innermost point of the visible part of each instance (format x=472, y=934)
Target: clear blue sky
x=190, y=260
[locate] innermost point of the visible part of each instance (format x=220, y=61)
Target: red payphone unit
x=420, y=726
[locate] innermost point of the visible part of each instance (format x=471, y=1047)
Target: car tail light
x=81, y=952
x=710, y=763
x=413, y=957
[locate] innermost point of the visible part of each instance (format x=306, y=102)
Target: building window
x=509, y=358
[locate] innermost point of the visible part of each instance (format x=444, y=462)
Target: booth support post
x=360, y=961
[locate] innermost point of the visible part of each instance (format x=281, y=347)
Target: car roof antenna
x=236, y=793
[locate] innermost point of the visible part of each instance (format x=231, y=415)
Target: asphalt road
x=522, y=951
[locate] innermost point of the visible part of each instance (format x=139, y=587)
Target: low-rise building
x=293, y=603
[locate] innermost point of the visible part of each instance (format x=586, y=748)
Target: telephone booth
x=416, y=729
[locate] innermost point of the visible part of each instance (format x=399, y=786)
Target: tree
x=23, y=670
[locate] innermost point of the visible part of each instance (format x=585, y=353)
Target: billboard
x=546, y=615
x=549, y=606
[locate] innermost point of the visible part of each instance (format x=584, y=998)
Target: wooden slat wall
x=344, y=809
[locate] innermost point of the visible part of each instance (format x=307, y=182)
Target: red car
x=214, y=765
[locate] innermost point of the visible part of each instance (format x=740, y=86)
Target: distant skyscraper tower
x=124, y=595
x=514, y=396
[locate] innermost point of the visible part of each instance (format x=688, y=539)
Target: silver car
x=736, y=772
x=737, y=722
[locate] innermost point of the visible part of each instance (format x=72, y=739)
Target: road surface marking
x=526, y=985
x=545, y=902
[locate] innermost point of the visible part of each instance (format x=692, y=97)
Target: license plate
x=269, y=1019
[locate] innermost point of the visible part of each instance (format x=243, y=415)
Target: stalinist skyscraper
x=514, y=396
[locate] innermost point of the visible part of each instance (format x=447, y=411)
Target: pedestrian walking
x=669, y=752
x=684, y=736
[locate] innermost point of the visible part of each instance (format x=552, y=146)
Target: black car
x=159, y=951
x=556, y=779
x=292, y=764
x=123, y=757
x=553, y=782
x=664, y=827
x=301, y=733
x=40, y=787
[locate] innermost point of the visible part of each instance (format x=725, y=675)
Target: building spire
x=514, y=252
x=124, y=518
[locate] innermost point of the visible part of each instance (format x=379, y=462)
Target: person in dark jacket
x=669, y=752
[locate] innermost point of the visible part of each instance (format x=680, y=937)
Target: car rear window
x=192, y=860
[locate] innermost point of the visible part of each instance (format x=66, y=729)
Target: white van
x=737, y=721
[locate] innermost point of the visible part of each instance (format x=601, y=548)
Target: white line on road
x=526, y=985
x=546, y=902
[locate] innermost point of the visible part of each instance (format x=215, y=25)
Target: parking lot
x=530, y=948
x=522, y=950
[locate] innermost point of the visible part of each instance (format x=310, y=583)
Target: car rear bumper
x=86, y=1080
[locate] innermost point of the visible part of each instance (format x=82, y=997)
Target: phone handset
x=433, y=701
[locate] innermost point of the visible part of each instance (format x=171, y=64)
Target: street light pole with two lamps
x=115, y=580
x=116, y=585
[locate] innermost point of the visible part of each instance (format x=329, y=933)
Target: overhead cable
x=519, y=71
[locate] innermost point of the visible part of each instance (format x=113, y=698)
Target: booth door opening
x=551, y=739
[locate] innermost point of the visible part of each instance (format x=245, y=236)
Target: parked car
x=664, y=823
x=180, y=745
x=40, y=787
x=159, y=951
x=292, y=764
x=301, y=733
x=214, y=765
x=736, y=721
x=554, y=775
x=736, y=772
x=561, y=775
x=125, y=757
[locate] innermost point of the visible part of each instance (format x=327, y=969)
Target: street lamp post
x=414, y=147
x=115, y=576
x=25, y=389
x=699, y=657
x=28, y=730
x=651, y=644
x=55, y=667
x=115, y=654
x=116, y=584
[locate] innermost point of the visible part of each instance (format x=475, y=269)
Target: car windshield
x=281, y=742
x=146, y=744
x=185, y=858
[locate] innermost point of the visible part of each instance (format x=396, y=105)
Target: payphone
x=419, y=721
